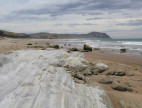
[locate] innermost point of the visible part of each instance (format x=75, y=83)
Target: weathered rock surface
x=39, y=79
x=106, y=81
x=100, y=67
x=117, y=73
x=120, y=87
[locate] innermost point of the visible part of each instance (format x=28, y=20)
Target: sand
x=131, y=64
x=128, y=63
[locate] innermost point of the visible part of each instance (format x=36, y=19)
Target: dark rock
x=106, y=81
x=78, y=81
x=118, y=87
x=74, y=49
x=79, y=75
x=95, y=72
x=87, y=48
x=55, y=46
x=123, y=50
x=117, y=73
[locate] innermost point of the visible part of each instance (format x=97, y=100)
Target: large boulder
x=87, y=48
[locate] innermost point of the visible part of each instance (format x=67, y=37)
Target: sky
x=117, y=18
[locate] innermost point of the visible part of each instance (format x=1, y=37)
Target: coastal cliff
x=44, y=35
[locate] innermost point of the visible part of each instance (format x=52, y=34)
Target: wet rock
x=87, y=48
x=118, y=87
x=123, y=50
x=106, y=81
x=55, y=46
x=117, y=73
x=74, y=49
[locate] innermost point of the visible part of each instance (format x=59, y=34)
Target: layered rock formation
x=40, y=79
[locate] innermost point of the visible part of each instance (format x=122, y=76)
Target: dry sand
x=130, y=64
x=120, y=62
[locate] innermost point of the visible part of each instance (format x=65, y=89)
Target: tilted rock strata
x=39, y=79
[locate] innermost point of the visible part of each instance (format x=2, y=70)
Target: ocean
x=134, y=46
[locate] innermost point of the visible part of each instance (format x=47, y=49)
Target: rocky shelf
x=40, y=79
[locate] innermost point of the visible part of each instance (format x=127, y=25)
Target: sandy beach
x=132, y=65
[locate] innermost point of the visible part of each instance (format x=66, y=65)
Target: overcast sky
x=118, y=18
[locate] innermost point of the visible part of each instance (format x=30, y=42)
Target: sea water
x=133, y=46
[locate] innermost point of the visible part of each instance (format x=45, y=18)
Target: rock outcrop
x=41, y=79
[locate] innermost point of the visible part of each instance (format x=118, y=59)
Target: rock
x=87, y=72
x=130, y=74
x=117, y=73
x=122, y=104
x=123, y=50
x=106, y=81
x=24, y=82
x=100, y=67
x=86, y=80
x=87, y=48
x=118, y=87
x=95, y=72
x=74, y=49
x=55, y=46
x=78, y=81
x=79, y=75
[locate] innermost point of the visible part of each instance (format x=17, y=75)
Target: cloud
x=137, y=22
x=71, y=15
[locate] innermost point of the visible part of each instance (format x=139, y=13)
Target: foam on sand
x=38, y=79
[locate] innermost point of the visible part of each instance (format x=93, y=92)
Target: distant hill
x=13, y=35
x=44, y=35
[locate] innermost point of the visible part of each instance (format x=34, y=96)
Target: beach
x=131, y=64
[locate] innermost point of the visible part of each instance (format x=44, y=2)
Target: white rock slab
x=38, y=79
